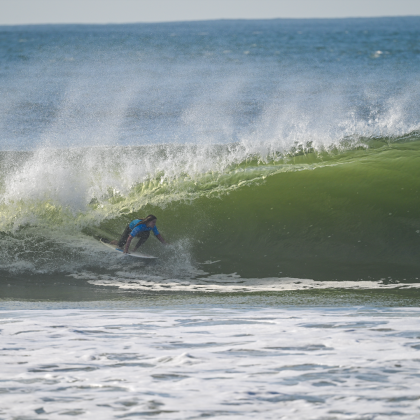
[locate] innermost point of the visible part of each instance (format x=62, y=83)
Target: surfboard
x=132, y=254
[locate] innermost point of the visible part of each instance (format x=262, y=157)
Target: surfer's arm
x=161, y=239
x=127, y=245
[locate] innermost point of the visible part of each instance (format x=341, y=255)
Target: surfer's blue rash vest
x=136, y=227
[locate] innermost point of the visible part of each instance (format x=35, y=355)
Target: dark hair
x=148, y=219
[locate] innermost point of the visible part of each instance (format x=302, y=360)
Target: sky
x=18, y=12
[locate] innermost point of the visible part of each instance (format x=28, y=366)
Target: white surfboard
x=132, y=254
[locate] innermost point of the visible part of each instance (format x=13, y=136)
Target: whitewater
x=281, y=158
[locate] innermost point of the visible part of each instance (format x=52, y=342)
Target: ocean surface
x=282, y=160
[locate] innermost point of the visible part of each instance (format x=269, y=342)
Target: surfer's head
x=150, y=220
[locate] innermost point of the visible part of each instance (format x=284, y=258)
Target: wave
x=346, y=211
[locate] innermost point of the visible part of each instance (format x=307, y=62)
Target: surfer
x=139, y=228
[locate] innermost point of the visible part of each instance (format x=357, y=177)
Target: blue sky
x=14, y=12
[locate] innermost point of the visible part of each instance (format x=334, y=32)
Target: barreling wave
x=347, y=211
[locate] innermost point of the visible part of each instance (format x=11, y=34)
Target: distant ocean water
x=282, y=159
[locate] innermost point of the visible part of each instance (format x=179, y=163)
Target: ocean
x=282, y=160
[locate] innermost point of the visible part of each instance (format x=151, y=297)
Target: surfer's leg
x=124, y=237
x=143, y=237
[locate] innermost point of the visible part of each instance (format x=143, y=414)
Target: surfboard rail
x=132, y=254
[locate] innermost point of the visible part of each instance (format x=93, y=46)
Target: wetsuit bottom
x=124, y=237
x=143, y=237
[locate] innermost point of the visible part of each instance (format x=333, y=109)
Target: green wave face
x=346, y=214
x=355, y=217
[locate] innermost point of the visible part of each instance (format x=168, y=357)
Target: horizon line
x=204, y=20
